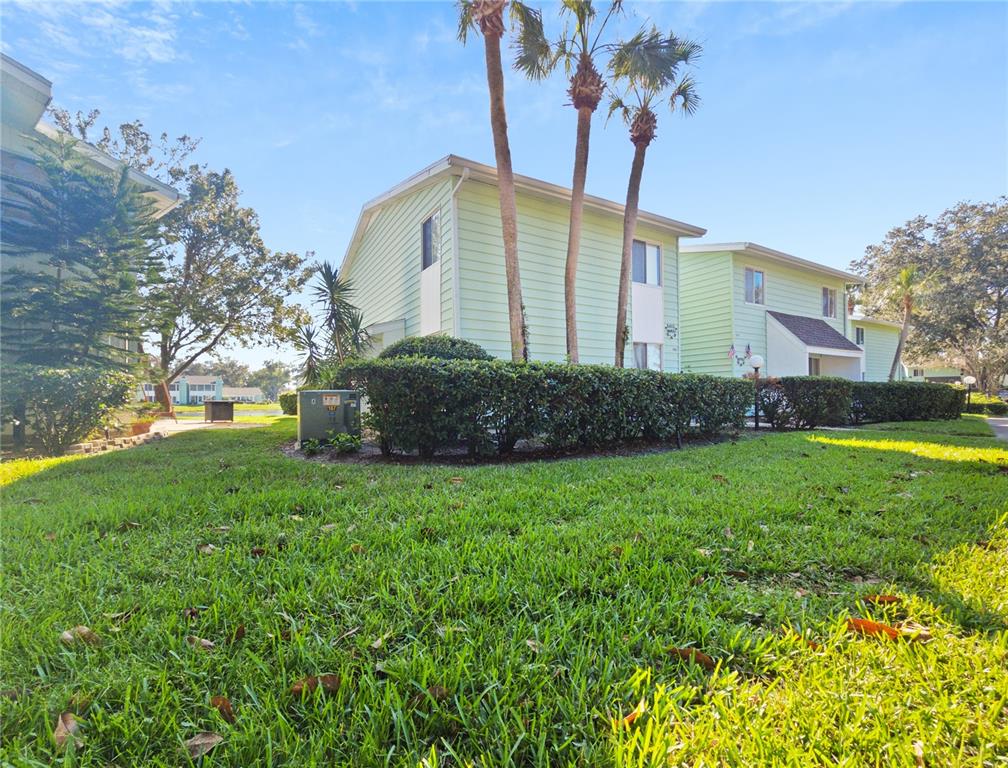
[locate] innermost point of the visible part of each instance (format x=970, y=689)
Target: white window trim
x=762, y=272
x=661, y=262
x=836, y=298
x=435, y=214
x=859, y=331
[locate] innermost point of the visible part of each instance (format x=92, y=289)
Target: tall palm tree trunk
x=574, y=230
x=904, y=332
x=506, y=191
x=629, y=230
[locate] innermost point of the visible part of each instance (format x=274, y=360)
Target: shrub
x=63, y=405
x=429, y=405
x=438, y=346
x=875, y=401
x=805, y=402
x=288, y=403
x=344, y=442
x=982, y=403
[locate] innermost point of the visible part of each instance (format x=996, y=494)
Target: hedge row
x=428, y=405
x=982, y=403
x=288, y=403
x=806, y=402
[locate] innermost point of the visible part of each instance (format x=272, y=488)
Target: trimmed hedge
x=805, y=402
x=875, y=401
x=438, y=346
x=288, y=403
x=64, y=405
x=429, y=405
x=982, y=403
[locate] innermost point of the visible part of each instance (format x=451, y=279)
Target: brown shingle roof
x=814, y=332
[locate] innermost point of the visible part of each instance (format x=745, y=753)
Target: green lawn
x=513, y=615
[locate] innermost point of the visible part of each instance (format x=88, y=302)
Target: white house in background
x=243, y=394
x=190, y=390
x=427, y=257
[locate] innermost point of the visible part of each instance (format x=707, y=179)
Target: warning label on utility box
x=331, y=402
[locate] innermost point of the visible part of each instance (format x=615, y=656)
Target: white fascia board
x=760, y=251
x=832, y=352
x=874, y=321
x=165, y=196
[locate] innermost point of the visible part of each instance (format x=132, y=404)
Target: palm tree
x=648, y=67
x=904, y=289
x=577, y=48
x=332, y=292
x=306, y=341
x=488, y=16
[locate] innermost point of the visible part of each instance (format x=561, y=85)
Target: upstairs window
x=754, y=286
x=646, y=263
x=428, y=241
x=859, y=336
x=828, y=302
x=647, y=357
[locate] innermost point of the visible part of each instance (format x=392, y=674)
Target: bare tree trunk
x=506, y=191
x=629, y=230
x=574, y=230
x=904, y=332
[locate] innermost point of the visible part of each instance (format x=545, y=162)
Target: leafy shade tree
x=960, y=298
x=77, y=248
x=488, y=17
x=233, y=372
x=578, y=48
x=341, y=333
x=271, y=378
x=219, y=283
x=648, y=68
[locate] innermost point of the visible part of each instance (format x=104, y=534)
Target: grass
x=513, y=614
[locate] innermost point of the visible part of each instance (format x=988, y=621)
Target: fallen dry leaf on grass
x=533, y=645
x=66, y=730
x=206, y=549
x=357, y=549
x=438, y=692
x=637, y=711
x=257, y=552
x=202, y=743
x=127, y=525
x=911, y=630
x=238, y=634
x=223, y=705
x=456, y=480
x=880, y=599
x=693, y=655
x=871, y=628
x=329, y=683
x=328, y=527
x=381, y=641
x=740, y=575
x=50, y=536
x=190, y=614
x=81, y=633
x=719, y=478
x=918, y=753
x=199, y=642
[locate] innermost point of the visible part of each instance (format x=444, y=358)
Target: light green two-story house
x=741, y=300
x=427, y=257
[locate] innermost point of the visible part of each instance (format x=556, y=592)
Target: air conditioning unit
x=323, y=412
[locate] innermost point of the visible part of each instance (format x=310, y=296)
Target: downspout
x=456, y=291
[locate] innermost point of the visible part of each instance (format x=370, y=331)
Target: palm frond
x=466, y=21
x=533, y=55
x=652, y=60
x=616, y=104
x=684, y=96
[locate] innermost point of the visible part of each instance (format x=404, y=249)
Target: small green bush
x=288, y=403
x=438, y=346
x=876, y=401
x=64, y=405
x=344, y=442
x=429, y=405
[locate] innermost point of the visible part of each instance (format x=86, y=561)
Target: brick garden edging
x=113, y=443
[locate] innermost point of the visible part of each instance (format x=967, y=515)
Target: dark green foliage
x=438, y=346
x=77, y=250
x=805, y=402
x=877, y=401
x=63, y=405
x=288, y=402
x=987, y=404
x=429, y=405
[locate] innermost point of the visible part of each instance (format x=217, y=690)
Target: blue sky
x=822, y=124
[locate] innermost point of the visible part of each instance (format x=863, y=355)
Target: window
x=918, y=373
x=859, y=336
x=428, y=241
x=813, y=366
x=647, y=357
x=754, y=286
x=646, y=263
x=828, y=302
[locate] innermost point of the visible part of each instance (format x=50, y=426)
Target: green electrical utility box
x=325, y=411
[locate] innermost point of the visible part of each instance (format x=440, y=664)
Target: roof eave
x=756, y=250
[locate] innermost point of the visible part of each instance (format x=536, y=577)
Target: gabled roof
x=814, y=332
x=453, y=165
x=761, y=251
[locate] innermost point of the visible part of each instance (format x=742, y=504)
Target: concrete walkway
x=1000, y=426
x=171, y=427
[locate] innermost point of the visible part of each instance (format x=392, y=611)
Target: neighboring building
x=879, y=339
x=933, y=371
x=427, y=257
x=190, y=390
x=243, y=394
